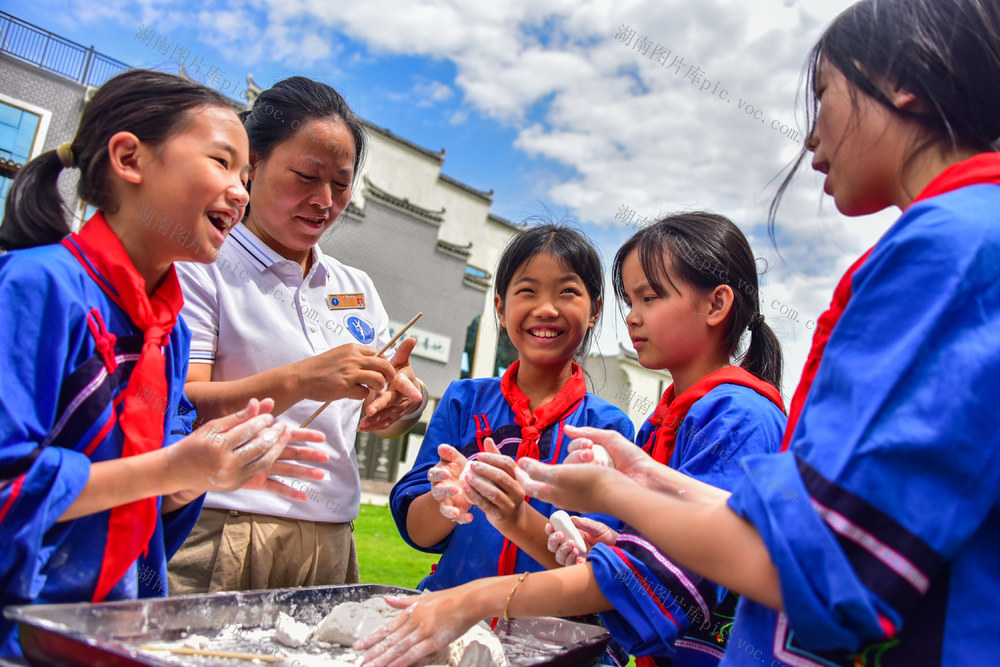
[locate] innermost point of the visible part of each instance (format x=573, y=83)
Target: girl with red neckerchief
x=548, y=299
x=94, y=356
x=873, y=538
x=689, y=283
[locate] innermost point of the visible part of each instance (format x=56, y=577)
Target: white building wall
x=623, y=382
x=413, y=173
x=404, y=172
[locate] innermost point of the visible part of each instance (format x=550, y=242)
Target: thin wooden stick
x=380, y=353
x=213, y=654
x=399, y=333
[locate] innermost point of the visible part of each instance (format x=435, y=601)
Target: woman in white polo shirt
x=275, y=317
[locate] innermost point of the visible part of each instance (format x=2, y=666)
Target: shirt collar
x=263, y=257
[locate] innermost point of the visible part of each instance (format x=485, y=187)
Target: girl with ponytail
x=93, y=355
x=689, y=283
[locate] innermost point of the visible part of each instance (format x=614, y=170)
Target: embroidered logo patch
x=342, y=301
x=361, y=329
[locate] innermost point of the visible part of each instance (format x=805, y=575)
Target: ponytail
x=151, y=105
x=763, y=355
x=34, y=211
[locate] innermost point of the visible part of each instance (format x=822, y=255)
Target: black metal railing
x=53, y=53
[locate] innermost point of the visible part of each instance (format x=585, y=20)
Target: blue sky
x=414, y=96
x=546, y=102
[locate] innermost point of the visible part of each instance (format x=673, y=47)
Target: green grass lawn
x=383, y=556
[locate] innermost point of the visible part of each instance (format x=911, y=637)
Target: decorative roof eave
x=437, y=157
x=461, y=252
x=403, y=205
x=252, y=91
x=631, y=358
x=496, y=219
x=481, y=284
x=481, y=194
x=9, y=168
x=354, y=211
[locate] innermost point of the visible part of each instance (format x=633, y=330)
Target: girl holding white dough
x=548, y=298
x=682, y=318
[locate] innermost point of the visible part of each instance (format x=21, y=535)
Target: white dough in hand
x=464, y=476
x=561, y=522
x=601, y=456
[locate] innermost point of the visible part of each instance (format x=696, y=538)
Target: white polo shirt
x=252, y=311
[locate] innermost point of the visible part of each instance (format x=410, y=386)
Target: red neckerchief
x=532, y=424
x=979, y=169
x=670, y=411
x=103, y=256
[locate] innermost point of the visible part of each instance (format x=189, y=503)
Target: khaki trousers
x=230, y=551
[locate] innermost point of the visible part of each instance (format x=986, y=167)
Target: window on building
x=476, y=272
x=18, y=133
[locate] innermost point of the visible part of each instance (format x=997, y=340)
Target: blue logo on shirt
x=360, y=329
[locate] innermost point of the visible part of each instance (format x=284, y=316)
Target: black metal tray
x=109, y=634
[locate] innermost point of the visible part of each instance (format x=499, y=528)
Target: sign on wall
x=430, y=345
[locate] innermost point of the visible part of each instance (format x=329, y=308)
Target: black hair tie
x=755, y=322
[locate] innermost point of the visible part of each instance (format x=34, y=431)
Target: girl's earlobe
x=595, y=313
x=721, y=302
x=905, y=100
x=498, y=305
x=126, y=156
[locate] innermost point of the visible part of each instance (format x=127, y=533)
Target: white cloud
x=632, y=131
x=431, y=92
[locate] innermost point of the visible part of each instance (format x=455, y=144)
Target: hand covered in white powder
x=492, y=487
x=593, y=532
x=445, y=484
x=626, y=457
x=284, y=467
x=636, y=465
x=228, y=452
x=572, y=486
x=243, y=450
x=427, y=624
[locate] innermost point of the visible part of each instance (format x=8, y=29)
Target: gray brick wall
x=62, y=97
x=398, y=252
